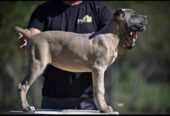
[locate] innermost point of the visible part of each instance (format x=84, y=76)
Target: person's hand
x=21, y=41
x=128, y=43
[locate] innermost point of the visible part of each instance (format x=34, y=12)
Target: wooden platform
x=65, y=112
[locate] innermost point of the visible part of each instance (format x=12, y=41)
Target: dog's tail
x=25, y=33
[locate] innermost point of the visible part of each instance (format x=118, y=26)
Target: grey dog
x=91, y=52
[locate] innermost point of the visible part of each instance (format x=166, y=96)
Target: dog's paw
x=29, y=109
x=107, y=109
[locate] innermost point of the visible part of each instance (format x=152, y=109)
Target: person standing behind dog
x=62, y=89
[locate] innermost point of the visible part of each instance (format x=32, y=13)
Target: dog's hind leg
x=99, y=89
x=37, y=64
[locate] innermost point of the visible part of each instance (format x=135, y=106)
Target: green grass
x=154, y=98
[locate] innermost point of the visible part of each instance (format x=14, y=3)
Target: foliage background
x=138, y=82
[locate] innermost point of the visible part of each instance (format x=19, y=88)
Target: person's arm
x=34, y=31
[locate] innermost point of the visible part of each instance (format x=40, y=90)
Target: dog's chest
x=113, y=57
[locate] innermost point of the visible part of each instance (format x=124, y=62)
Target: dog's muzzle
x=137, y=23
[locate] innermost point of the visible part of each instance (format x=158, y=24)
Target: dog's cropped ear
x=119, y=14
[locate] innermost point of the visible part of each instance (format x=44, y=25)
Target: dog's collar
x=125, y=37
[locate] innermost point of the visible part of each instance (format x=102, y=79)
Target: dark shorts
x=68, y=103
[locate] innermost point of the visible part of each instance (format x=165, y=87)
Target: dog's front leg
x=99, y=89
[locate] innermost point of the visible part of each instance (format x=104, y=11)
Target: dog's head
x=130, y=20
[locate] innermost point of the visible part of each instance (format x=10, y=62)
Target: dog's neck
x=113, y=27
x=121, y=31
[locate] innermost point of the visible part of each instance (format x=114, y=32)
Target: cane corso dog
x=91, y=52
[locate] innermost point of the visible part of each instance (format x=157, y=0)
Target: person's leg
x=49, y=103
x=60, y=103
x=87, y=104
x=69, y=103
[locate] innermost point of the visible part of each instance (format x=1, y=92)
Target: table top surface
x=67, y=111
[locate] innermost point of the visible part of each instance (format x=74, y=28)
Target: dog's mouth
x=137, y=27
x=133, y=34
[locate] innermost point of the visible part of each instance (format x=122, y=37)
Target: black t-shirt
x=87, y=17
